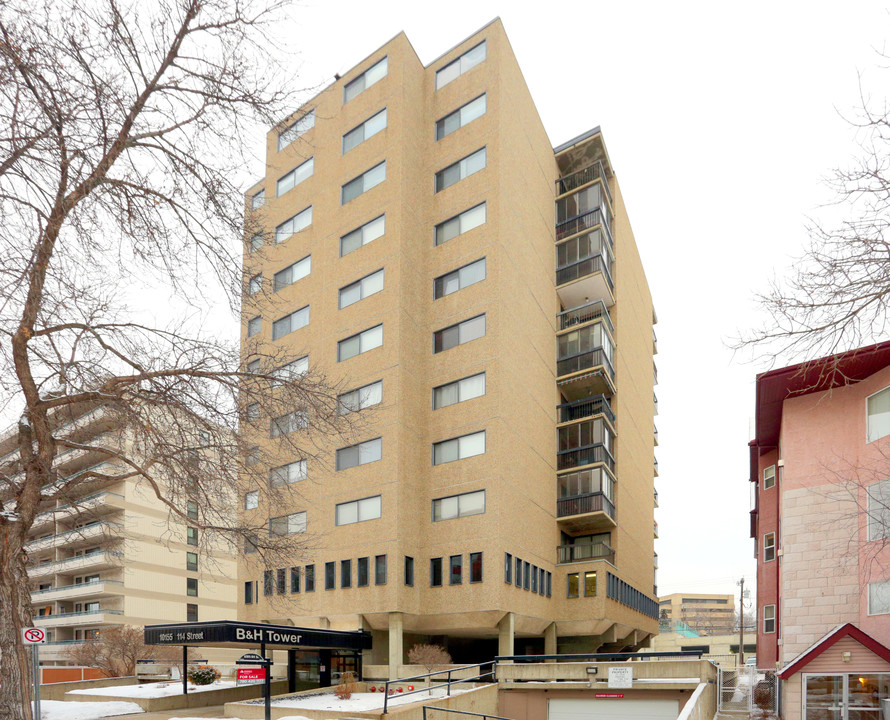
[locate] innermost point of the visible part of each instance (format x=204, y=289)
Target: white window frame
x=461, y=384
x=368, y=232
x=257, y=240
x=465, y=221
x=288, y=423
x=293, y=225
x=769, y=546
x=290, y=371
x=869, y=438
x=461, y=112
x=362, y=342
x=884, y=587
x=374, y=73
x=254, y=326
x=460, y=327
x=464, y=276
x=465, y=169
x=300, y=174
x=298, y=127
x=255, y=284
x=288, y=474
x=365, y=510
x=251, y=500
x=295, y=523
x=464, y=63
x=373, y=451
x=258, y=199
x=370, y=284
x=460, y=499
x=360, y=398
x=363, y=130
x=294, y=272
x=369, y=179
x=295, y=320
x=769, y=618
x=769, y=477
x=464, y=447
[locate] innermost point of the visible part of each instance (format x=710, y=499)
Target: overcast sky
x=722, y=120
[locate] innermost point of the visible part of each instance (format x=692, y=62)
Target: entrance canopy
x=228, y=633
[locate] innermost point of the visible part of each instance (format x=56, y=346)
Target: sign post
x=266, y=663
x=35, y=637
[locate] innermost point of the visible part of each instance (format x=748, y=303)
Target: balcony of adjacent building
x=88, y=533
x=655, y=435
x=654, y=342
x=585, y=501
x=655, y=529
x=583, y=211
x=585, y=443
x=585, y=351
x=585, y=548
x=91, y=559
x=654, y=497
x=584, y=269
x=655, y=466
x=90, y=589
x=82, y=618
x=96, y=505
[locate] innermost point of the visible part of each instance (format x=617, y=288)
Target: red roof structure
x=840, y=632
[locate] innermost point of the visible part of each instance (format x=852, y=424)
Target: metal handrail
x=65, y=561
x=447, y=684
x=574, y=180
x=583, y=504
x=462, y=712
x=586, y=407
x=101, y=611
x=602, y=657
x=105, y=524
x=566, y=553
x=585, y=221
x=582, y=268
x=87, y=584
x=587, y=455
x=78, y=503
x=594, y=310
x=598, y=357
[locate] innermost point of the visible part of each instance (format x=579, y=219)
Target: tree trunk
x=15, y=601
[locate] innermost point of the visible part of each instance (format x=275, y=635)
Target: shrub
x=346, y=687
x=204, y=675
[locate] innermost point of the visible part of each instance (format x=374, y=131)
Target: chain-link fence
x=747, y=691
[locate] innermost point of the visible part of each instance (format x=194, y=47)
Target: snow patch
x=72, y=710
x=153, y=690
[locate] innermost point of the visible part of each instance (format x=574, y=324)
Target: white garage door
x=581, y=709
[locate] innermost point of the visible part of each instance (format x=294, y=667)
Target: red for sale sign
x=251, y=674
x=611, y=696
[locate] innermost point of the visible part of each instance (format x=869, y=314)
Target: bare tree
x=429, y=656
x=122, y=135
x=117, y=649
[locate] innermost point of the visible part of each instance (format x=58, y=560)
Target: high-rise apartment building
x=107, y=554
x=481, y=295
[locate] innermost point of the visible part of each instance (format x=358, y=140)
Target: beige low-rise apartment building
x=706, y=614
x=108, y=553
x=482, y=295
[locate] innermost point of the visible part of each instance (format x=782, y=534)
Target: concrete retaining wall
x=57, y=690
x=192, y=700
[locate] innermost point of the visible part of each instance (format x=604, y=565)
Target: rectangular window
x=459, y=391
x=508, y=568
x=254, y=325
x=878, y=510
x=191, y=612
x=292, y=273
x=289, y=323
x=252, y=412
x=534, y=587
x=256, y=242
x=590, y=584
x=287, y=474
x=409, y=571
x=310, y=578
x=436, y=572
x=364, y=182
x=459, y=279
x=191, y=535
x=358, y=510
x=191, y=561
x=459, y=448
x=191, y=510
x=280, y=581
x=330, y=571
x=286, y=424
x=251, y=500
x=295, y=129
x=518, y=573
x=255, y=284
x=460, y=117
x=363, y=235
x=363, y=568
x=293, y=225
x=287, y=524
x=455, y=569
x=463, y=168
x=253, y=367
x=572, y=589
x=380, y=569
x=191, y=587
x=455, y=335
x=453, y=70
x=549, y=584
x=250, y=544
x=459, y=224
x=248, y=593
x=295, y=177
x=360, y=343
x=769, y=616
x=289, y=372
x=475, y=567
x=361, y=398
x=361, y=454
x=370, y=76
x=295, y=579
x=769, y=477
x=258, y=200
x=878, y=415
x=526, y=576
x=542, y=578
x=769, y=547
x=367, y=129
x=360, y=289
x=457, y=506
x=346, y=573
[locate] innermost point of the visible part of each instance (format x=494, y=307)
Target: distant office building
x=705, y=614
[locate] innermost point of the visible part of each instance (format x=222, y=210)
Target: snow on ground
x=358, y=702
x=153, y=690
x=61, y=710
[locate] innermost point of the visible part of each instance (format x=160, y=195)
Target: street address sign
x=252, y=659
x=33, y=636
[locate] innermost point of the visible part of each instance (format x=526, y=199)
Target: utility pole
x=741, y=584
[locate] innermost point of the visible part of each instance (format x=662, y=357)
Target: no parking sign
x=33, y=636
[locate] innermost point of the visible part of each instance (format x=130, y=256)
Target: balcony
x=655, y=529
x=581, y=552
x=94, y=588
x=585, y=514
x=90, y=617
x=76, y=537
x=101, y=560
x=655, y=560
x=586, y=278
x=654, y=343
x=92, y=506
x=589, y=455
x=585, y=176
x=595, y=311
x=655, y=497
x=585, y=408
x=655, y=466
x=587, y=221
x=655, y=401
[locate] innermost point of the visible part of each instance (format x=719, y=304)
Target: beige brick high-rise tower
x=482, y=292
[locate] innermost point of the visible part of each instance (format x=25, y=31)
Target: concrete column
x=396, y=649
x=505, y=634
x=550, y=640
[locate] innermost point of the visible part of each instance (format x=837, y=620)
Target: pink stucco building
x=820, y=466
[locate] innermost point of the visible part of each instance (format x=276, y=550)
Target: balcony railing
x=582, y=177
x=56, y=616
x=87, y=532
x=588, y=455
x=655, y=497
x=583, y=504
x=585, y=551
x=655, y=560
x=81, y=504
x=579, y=223
x=588, y=312
x=582, y=268
x=655, y=528
x=85, y=558
x=585, y=361
x=579, y=409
